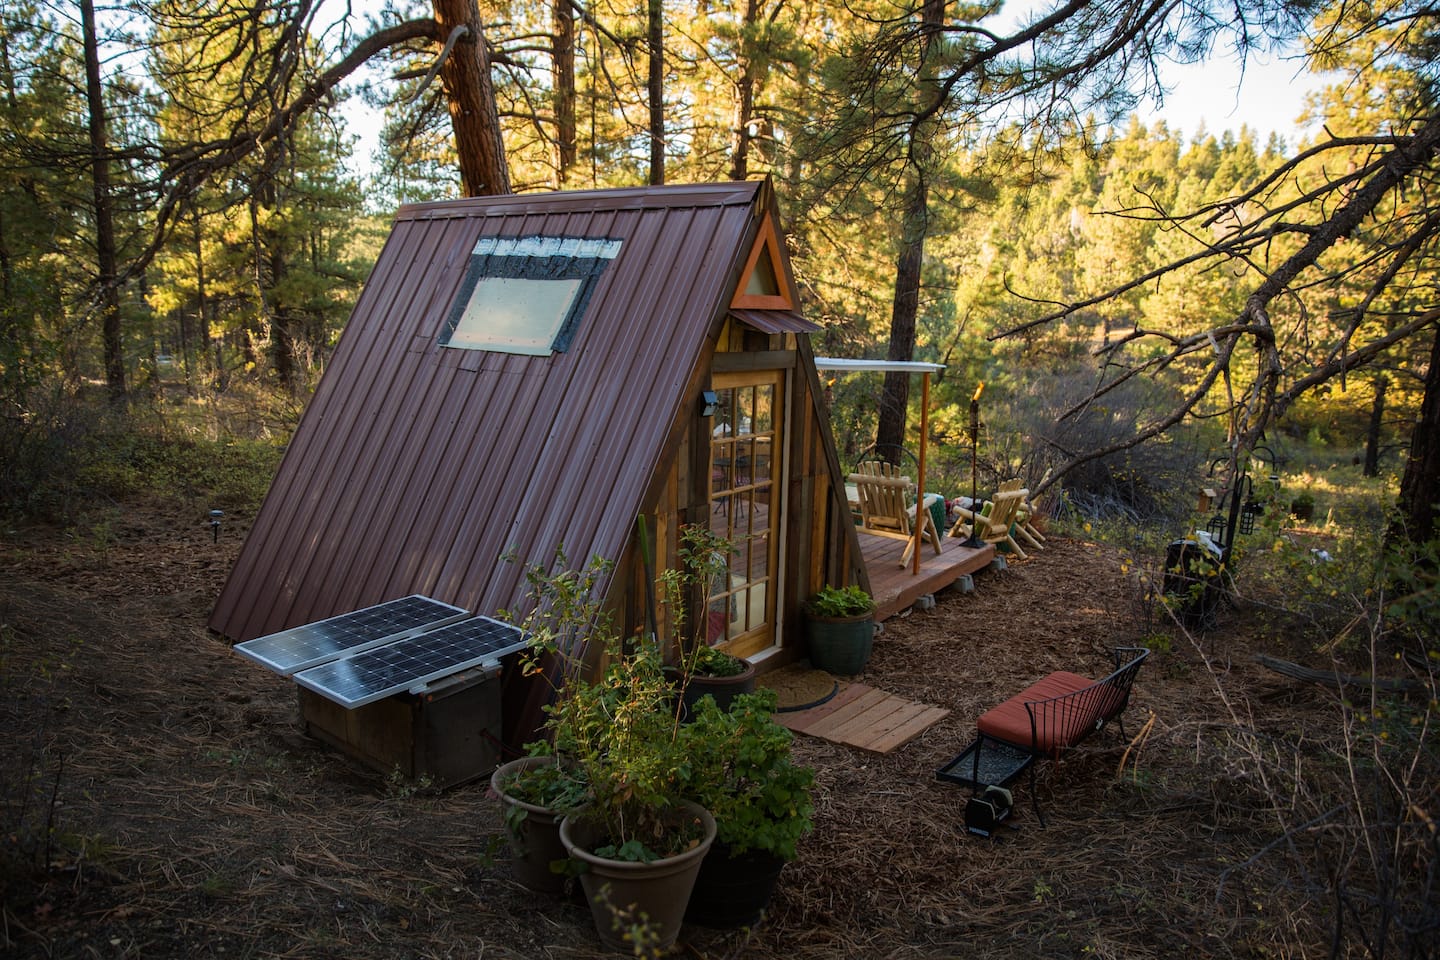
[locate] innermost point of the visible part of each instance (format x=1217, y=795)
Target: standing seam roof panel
x=314, y=446
x=416, y=466
x=667, y=325
x=391, y=405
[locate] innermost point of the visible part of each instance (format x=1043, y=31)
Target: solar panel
x=407, y=664
x=299, y=648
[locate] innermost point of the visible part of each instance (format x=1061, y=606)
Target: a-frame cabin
x=527, y=371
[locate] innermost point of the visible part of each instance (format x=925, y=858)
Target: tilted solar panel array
x=290, y=651
x=365, y=655
x=373, y=674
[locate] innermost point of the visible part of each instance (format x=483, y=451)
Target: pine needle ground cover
x=159, y=799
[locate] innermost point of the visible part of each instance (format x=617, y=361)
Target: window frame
x=535, y=258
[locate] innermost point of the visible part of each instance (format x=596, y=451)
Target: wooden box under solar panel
x=445, y=735
x=411, y=685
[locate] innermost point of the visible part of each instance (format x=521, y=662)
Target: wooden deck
x=895, y=588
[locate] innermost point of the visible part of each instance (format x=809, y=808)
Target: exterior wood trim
x=767, y=244
x=750, y=362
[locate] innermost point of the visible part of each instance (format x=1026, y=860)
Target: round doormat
x=799, y=687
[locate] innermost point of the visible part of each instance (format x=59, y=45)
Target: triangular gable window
x=762, y=284
x=525, y=295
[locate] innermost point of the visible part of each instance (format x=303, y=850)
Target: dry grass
x=160, y=800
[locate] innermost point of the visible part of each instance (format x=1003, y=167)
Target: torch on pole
x=975, y=540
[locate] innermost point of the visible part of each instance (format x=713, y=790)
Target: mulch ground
x=160, y=799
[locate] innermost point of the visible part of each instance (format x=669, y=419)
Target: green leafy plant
x=741, y=770
x=565, y=615
x=615, y=735
x=710, y=662
x=622, y=733
x=851, y=601
x=698, y=584
x=557, y=786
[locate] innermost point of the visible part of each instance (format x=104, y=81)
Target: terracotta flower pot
x=622, y=893
x=533, y=832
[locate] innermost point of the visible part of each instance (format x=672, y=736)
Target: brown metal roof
x=416, y=467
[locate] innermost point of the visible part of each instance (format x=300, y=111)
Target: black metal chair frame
x=1101, y=702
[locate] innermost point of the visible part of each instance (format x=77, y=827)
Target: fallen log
x=1333, y=678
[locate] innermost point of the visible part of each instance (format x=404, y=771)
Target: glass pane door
x=745, y=446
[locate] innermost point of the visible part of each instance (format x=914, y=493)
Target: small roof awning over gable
x=774, y=321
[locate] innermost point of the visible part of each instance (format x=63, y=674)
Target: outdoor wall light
x=709, y=403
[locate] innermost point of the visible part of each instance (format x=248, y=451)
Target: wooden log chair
x=1054, y=714
x=999, y=523
x=1024, y=525
x=887, y=506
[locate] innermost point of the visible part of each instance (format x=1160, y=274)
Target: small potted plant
x=1303, y=506
x=840, y=627
x=701, y=669
x=741, y=770
x=712, y=673
x=534, y=792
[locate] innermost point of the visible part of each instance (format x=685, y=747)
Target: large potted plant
x=742, y=772
x=840, y=628
x=700, y=668
x=534, y=792
x=538, y=789
x=638, y=843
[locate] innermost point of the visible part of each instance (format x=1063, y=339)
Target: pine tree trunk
x=744, y=98
x=470, y=94
x=1420, y=486
x=282, y=327
x=563, y=16
x=106, y=268
x=740, y=132
x=895, y=393
x=190, y=352
x=271, y=266
x=656, y=44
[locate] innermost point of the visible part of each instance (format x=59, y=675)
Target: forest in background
x=185, y=222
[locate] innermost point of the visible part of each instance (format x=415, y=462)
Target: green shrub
x=64, y=457
x=741, y=771
x=849, y=601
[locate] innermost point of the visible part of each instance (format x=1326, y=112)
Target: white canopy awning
x=899, y=366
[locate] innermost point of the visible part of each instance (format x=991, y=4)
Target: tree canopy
x=961, y=184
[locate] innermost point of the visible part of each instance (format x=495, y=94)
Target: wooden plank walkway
x=895, y=588
x=861, y=716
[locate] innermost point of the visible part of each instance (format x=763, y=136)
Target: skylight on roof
x=526, y=295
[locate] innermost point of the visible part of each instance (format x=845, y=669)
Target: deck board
x=895, y=588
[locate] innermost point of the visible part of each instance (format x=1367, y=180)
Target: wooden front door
x=745, y=474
